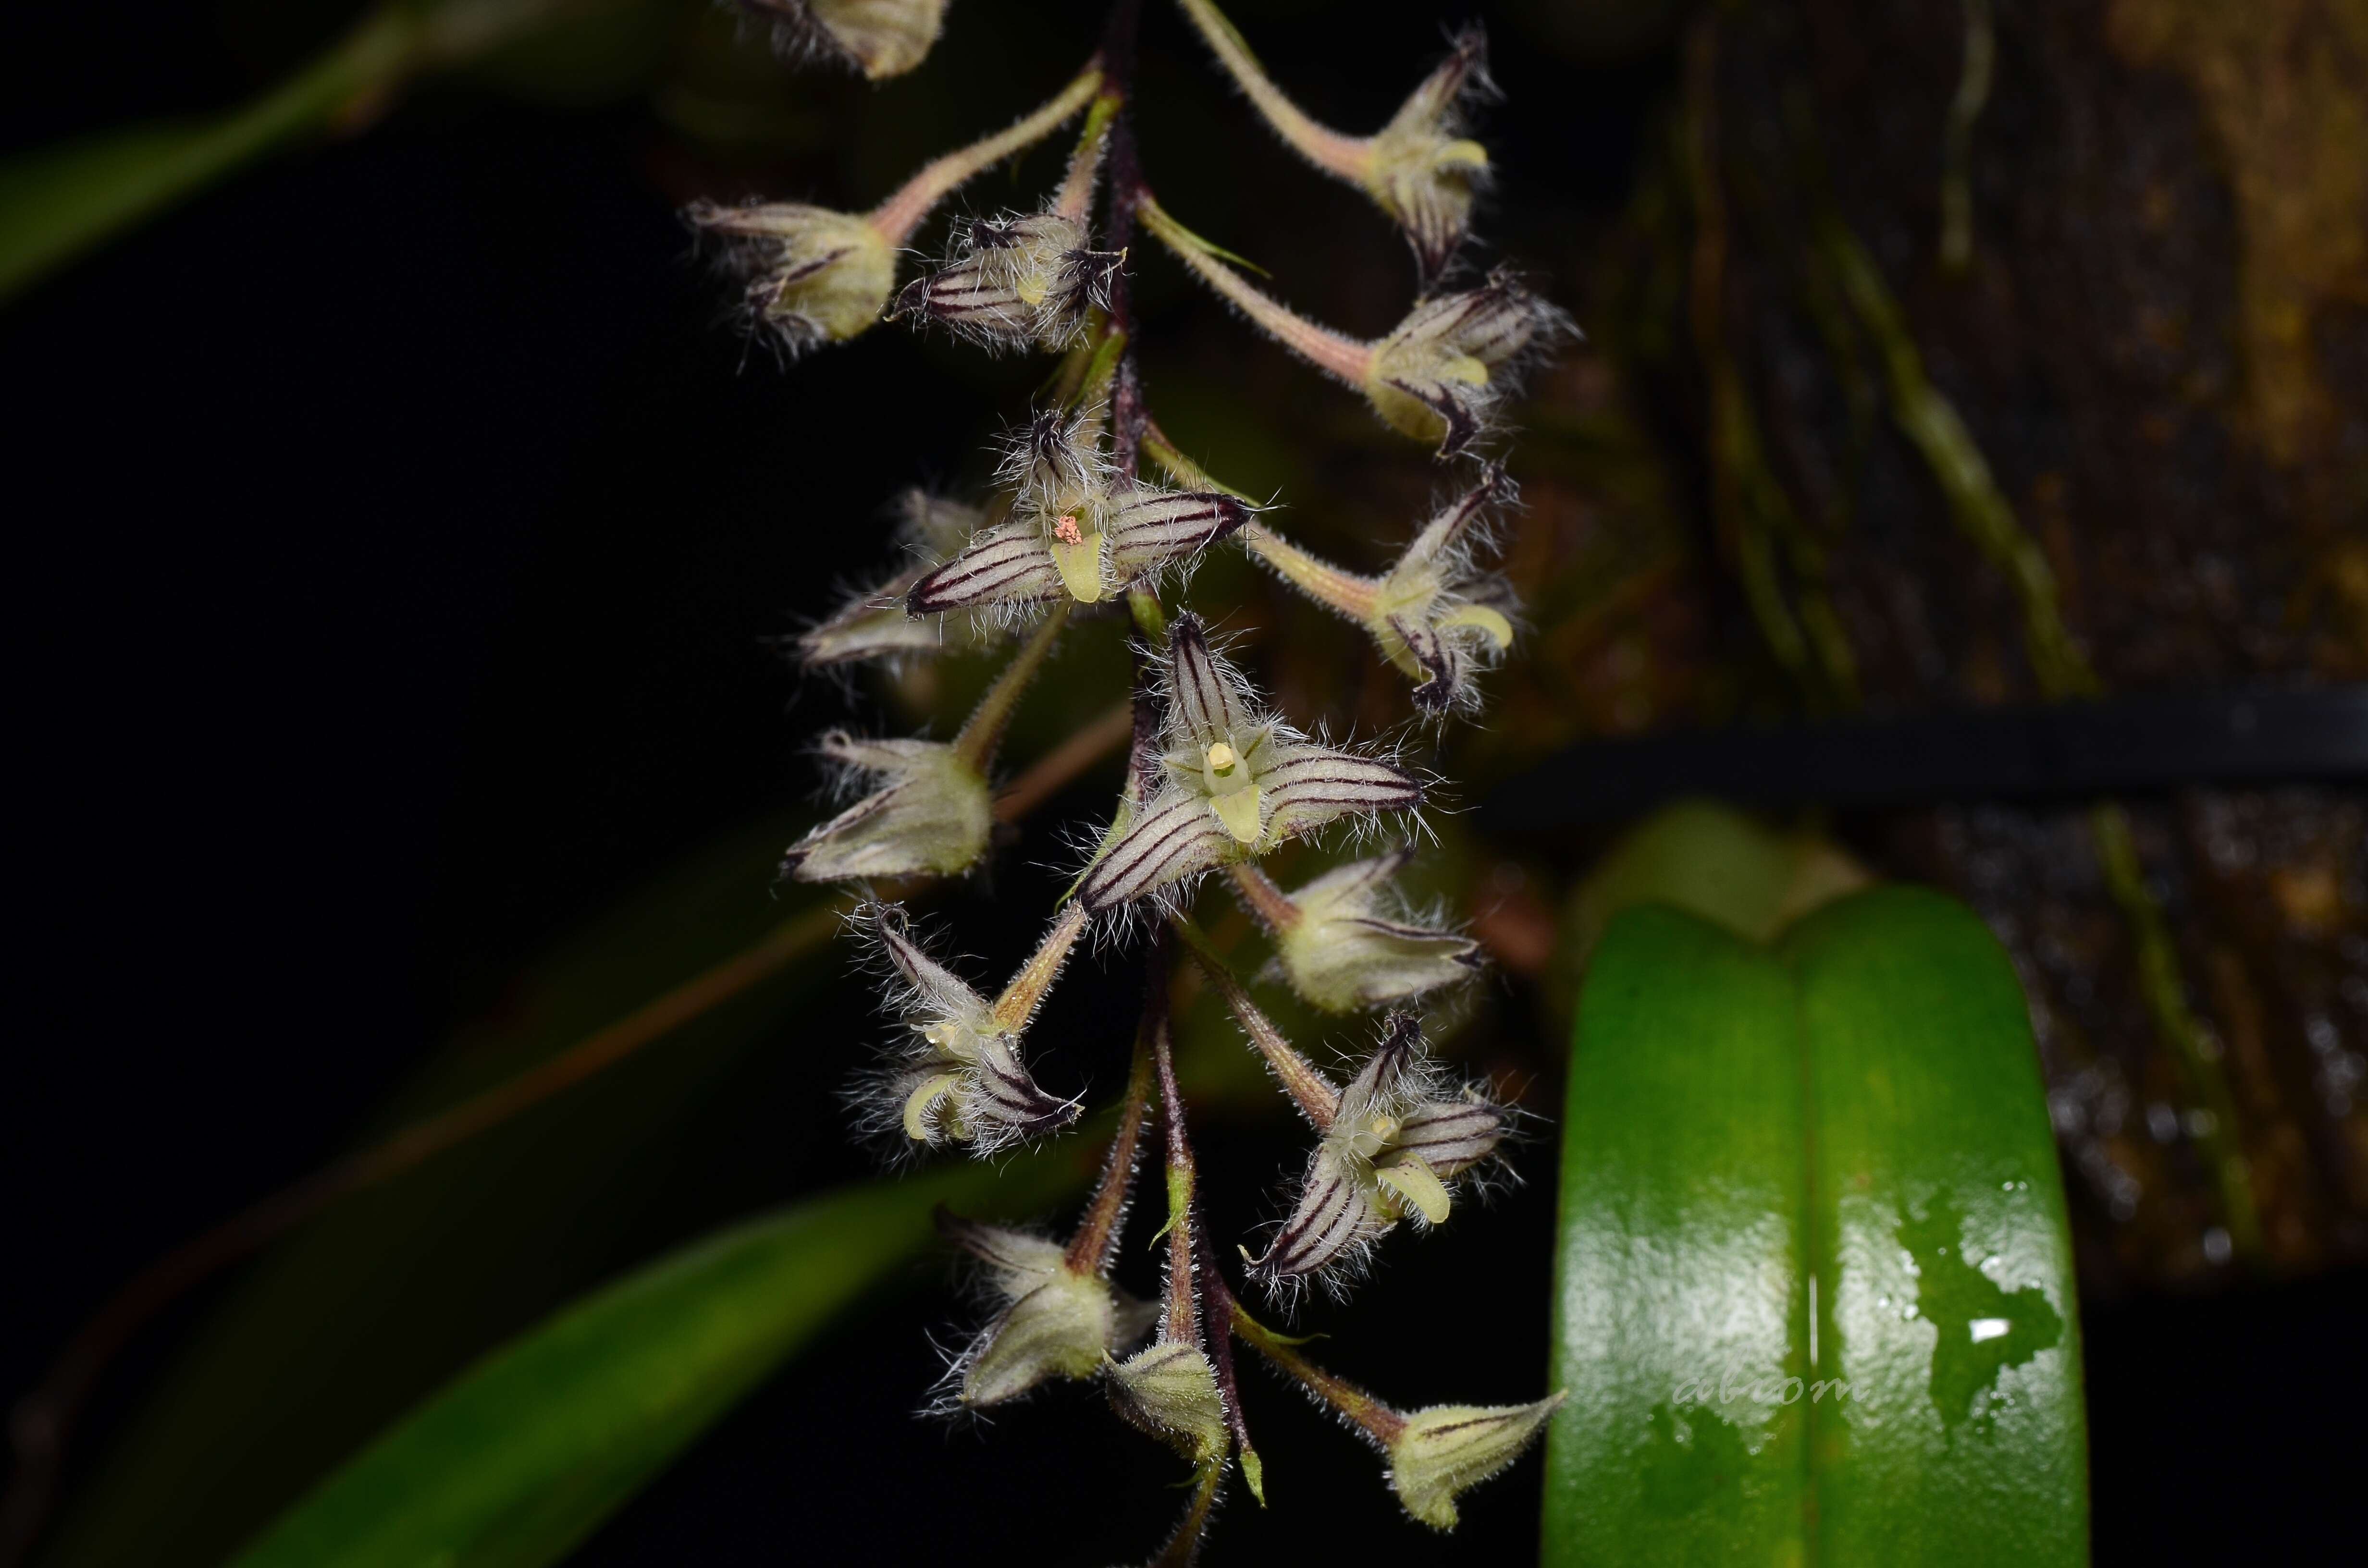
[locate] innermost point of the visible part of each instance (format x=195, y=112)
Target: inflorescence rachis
x=1217, y=779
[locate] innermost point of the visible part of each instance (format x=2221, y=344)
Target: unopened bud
x=1056, y=1321
x=814, y=276
x=1349, y=950
x=930, y=813
x=879, y=38
x=1171, y=1390
x=1446, y=1451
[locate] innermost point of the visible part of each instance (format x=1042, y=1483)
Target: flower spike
x=1237, y=783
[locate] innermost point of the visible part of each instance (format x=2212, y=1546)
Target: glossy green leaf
x=1814, y=1297
x=522, y=1456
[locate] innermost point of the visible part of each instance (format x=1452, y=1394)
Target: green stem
x=1956, y=148
x=1097, y=1238
x=1349, y=157
x=984, y=732
x=2166, y=996
x=1149, y=619
x=1308, y=1088
x=1340, y=357
x=897, y=217
x=1180, y=1321
x=1376, y=1420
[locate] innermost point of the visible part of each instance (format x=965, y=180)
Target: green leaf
x=375, y=1303
x=520, y=1457
x=1714, y=861
x=1814, y=1297
x=61, y=200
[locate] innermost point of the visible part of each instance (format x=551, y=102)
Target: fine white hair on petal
x=1016, y=282
x=1399, y=1138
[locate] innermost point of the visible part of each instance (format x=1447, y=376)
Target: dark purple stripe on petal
x=1177, y=837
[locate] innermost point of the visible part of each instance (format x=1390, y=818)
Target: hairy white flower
x=1435, y=614
x=1236, y=782
x=1052, y=1319
x=1420, y=168
x=929, y=811
x=875, y=623
x=1447, y=1449
x=1440, y=373
x=879, y=38
x=1388, y=1154
x=1075, y=528
x=957, y=1076
x=1348, y=950
x=1023, y=280
x=813, y=276
x=1169, y=1389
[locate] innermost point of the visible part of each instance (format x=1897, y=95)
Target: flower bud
x=932, y=814
x=1447, y=1449
x=1431, y=377
x=879, y=38
x=1348, y=951
x=813, y=276
x=1020, y=282
x=1171, y=1390
x=1054, y=1319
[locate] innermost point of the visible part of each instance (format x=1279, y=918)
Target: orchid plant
x=1217, y=779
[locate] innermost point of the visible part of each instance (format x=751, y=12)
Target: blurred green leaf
x=355, y=1317
x=1815, y=1300
x=1716, y=863
x=61, y=200
x=525, y=1453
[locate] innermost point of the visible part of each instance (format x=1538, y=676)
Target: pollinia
x=1097, y=513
